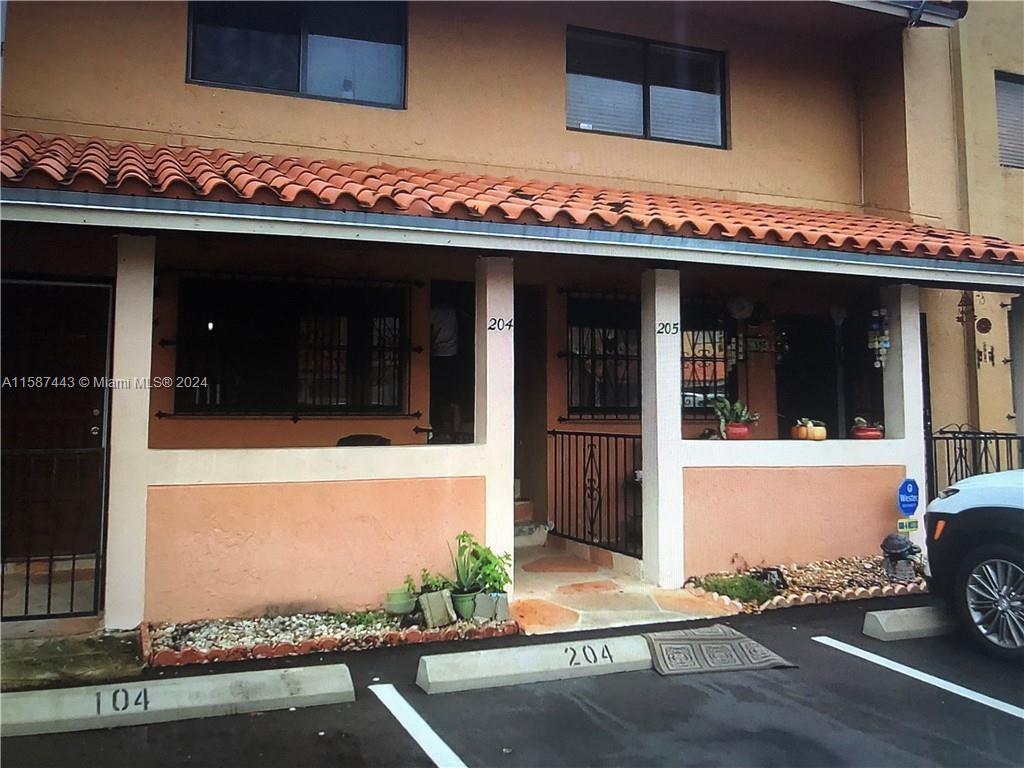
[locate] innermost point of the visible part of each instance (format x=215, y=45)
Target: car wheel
x=989, y=597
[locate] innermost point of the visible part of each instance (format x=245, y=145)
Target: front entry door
x=53, y=441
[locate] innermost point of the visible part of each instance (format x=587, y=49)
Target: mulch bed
x=202, y=642
x=829, y=581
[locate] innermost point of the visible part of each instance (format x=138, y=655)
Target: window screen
x=1010, y=119
x=346, y=51
x=633, y=87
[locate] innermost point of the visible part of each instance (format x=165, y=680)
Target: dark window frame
x=1009, y=77
x=617, y=412
x=706, y=317
x=646, y=43
x=303, y=59
x=295, y=300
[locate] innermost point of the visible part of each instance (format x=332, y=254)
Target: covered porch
x=317, y=448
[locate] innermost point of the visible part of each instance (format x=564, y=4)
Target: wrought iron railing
x=596, y=494
x=956, y=452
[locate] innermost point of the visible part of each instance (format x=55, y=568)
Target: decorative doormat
x=717, y=648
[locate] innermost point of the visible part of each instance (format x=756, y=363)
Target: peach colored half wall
x=242, y=550
x=775, y=515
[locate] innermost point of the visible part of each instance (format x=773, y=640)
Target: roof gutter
x=153, y=213
x=915, y=12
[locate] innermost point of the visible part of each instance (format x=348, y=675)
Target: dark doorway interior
x=53, y=440
x=452, y=374
x=806, y=371
x=531, y=442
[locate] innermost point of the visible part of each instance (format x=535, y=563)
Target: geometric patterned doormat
x=717, y=648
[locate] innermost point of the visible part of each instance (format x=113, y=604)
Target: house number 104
x=121, y=700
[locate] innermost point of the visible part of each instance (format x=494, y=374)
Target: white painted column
x=129, y=433
x=494, y=421
x=661, y=425
x=1017, y=359
x=903, y=385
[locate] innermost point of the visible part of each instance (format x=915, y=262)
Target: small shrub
x=433, y=582
x=365, y=618
x=740, y=587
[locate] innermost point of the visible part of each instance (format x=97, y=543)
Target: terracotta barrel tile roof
x=93, y=165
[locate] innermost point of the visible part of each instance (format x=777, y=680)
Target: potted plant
x=401, y=601
x=808, y=429
x=861, y=430
x=734, y=419
x=436, y=599
x=492, y=602
x=466, y=562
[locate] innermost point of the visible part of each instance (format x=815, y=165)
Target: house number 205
x=587, y=654
x=121, y=700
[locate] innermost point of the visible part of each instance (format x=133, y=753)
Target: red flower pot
x=866, y=433
x=737, y=431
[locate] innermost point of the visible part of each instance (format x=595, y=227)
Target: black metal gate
x=596, y=493
x=53, y=447
x=957, y=451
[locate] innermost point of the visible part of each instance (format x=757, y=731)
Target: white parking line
x=924, y=677
x=417, y=727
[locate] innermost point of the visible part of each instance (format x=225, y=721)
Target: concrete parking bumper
x=445, y=673
x=137, y=703
x=908, y=623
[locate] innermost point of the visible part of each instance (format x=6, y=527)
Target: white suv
x=975, y=534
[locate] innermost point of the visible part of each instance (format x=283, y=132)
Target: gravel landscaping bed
x=267, y=637
x=828, y=581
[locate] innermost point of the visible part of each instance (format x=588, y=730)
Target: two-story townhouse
x=319, y=285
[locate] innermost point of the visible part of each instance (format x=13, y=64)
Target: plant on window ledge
x=861, y=430
x=808, y=429
x=734, y=419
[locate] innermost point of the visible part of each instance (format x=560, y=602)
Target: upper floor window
x=1010, y=119
x=633, y=87
x=345, y=51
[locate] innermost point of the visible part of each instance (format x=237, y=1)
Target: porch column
x=129, y=433
x=1017, y=359
x=494, y=423
x=902, y=381
x=661, y=427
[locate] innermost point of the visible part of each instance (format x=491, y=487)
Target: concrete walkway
x=76, y=660
x=557, y=592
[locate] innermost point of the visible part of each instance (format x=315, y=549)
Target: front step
x=531, y=534
x=524, y=511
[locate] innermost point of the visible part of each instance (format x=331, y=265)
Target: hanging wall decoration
x=878, y=336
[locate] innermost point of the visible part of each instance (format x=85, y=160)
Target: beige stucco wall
x=486, y=90
x=989, y=39
x=955, y=177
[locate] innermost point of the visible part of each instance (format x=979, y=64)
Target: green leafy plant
x=733, y=413
x=366, y=618
x=494, y=569
x=741, y=587
x=410, y=584
x=466, y=563
x=433, y=582
x=860, y=422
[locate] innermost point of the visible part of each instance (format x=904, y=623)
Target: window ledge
x=417, y=415
x=798, y=453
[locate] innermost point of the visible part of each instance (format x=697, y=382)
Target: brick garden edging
x=168, y=657
x=899, y=589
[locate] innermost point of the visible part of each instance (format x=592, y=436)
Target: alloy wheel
x=995, y=601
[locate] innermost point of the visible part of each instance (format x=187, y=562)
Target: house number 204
x=121, y=700
x=587, y=654
x=499, y=324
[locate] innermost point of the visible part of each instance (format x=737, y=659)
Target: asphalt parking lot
x=835, y=709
